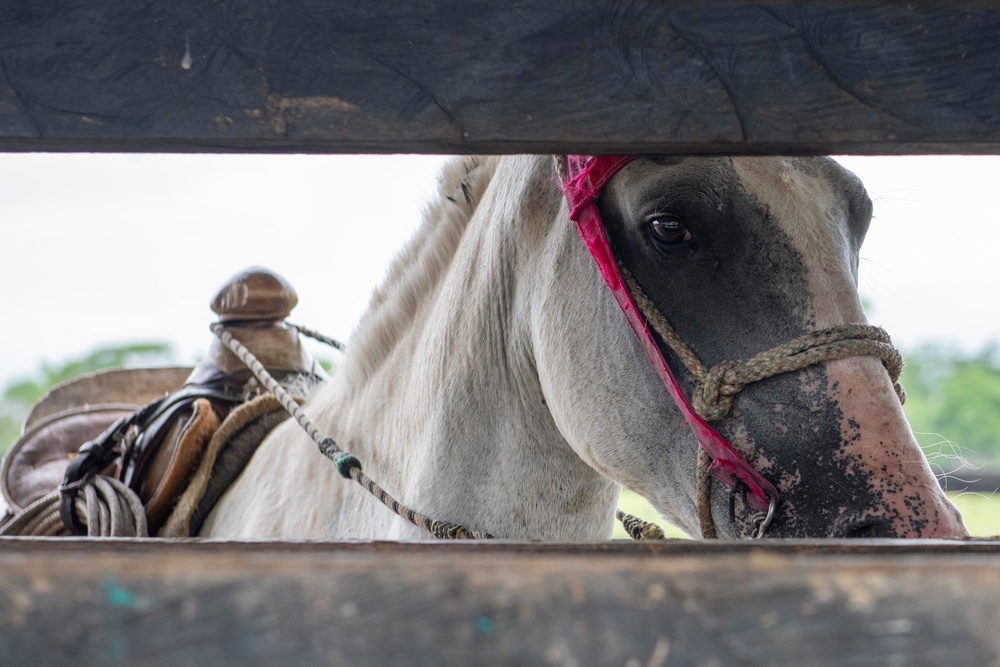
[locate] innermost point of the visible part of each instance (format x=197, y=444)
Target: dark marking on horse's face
x=739, y=268
x=770, y=253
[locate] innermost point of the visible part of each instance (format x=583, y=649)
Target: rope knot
x=713, y=396
x=344, y=461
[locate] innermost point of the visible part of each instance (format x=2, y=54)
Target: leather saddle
x=150, y=427
x=161, y=441
x=71, y=414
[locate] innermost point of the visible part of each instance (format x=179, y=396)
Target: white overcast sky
x=103, y=249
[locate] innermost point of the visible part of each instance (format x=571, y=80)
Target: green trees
x=18, y=397
x=953, y=404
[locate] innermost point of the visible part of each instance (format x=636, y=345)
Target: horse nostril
x=868, y=527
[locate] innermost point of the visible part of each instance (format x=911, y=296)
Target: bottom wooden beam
x=271, y=603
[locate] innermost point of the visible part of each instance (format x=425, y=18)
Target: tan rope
x=727, y=378
x=347, y=464
x=40, y=518
x=703, y=491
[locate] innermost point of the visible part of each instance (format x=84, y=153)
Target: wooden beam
x=713, y=76
x=787, y=603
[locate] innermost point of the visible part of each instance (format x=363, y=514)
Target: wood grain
x=786, y=603
x=474, y=76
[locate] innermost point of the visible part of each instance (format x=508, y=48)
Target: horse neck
x=451, y=414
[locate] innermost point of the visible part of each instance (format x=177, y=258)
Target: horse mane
x=418, y=267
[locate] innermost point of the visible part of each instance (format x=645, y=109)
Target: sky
x=107, y=249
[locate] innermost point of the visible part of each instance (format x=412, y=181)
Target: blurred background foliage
x=953, y=404
x=19, y=395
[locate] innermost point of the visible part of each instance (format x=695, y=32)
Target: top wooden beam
x=474, y=76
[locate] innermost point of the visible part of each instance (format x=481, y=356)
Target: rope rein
x=350, y=467
x=703, y=496
x=111, y=508
x=347, y=464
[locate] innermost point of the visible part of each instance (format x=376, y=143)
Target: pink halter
x=585, y=178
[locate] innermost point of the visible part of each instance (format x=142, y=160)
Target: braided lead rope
x=348, y=465
x=639, y=529
x=312, y=333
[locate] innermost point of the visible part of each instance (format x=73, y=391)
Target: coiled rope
x=107, y=507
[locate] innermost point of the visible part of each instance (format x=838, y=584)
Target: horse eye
x=667, y=229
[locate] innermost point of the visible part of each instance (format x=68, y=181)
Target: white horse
x=495, y=383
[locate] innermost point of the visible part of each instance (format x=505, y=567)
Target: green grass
x=980, y=512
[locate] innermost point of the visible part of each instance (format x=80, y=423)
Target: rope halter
x=712, y=398
x=583, y=181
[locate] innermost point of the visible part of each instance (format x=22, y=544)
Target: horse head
x=739, y=255
x=495, y=383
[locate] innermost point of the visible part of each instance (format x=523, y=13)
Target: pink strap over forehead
x=585, y=178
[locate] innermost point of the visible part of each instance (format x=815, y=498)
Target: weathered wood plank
x=734, y=76
x=155, y=603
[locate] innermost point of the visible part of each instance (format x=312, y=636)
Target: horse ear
x=561, y=166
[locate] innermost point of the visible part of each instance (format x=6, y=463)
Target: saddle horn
x=253, y=305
